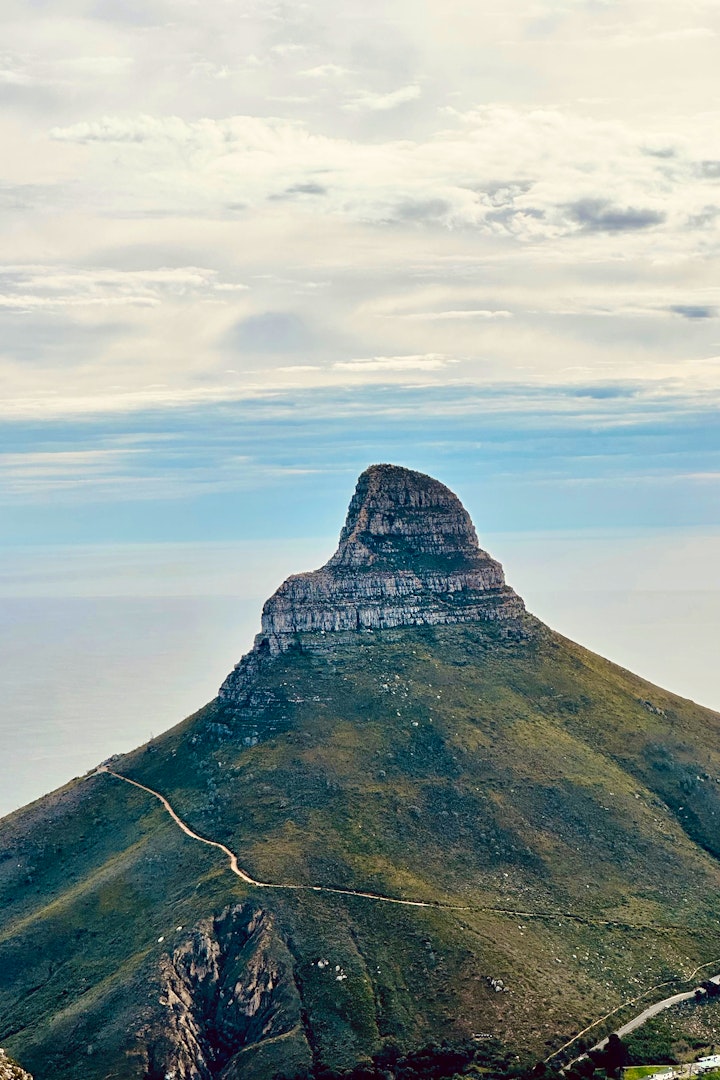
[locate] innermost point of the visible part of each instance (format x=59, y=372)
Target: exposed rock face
x=227, y=990
x=9, y=1070
x=408, y=556
x=399, y=518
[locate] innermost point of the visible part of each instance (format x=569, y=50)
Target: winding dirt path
x=379, y=897
x=248, y=879
x=631, y=1025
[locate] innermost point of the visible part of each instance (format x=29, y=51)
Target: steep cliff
x=408, y=556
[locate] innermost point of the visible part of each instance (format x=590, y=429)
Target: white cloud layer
x=198, y=204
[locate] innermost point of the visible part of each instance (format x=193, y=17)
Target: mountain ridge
x=556, y=813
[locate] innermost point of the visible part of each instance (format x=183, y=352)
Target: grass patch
x=638, y=1072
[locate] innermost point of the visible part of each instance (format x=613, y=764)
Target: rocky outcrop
x=408, y=556
x=9, y=1070
x=228, y=989
x=399, y=518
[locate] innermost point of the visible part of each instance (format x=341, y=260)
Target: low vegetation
x=683, y=1033
x=559, y=812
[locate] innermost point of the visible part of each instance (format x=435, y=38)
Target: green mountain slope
x=557, y=813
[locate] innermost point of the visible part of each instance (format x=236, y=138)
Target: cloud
x=556, y=432
x=704, y=217
x=287, y=48
x=15, y=197
x=663, y=152
x=28, y=302
x=98, y=66
x=528, y=174
x=297, y=368
x=119, y=129
x=309, y=187
x=520, y=214
x=14, y=77
x=326, y=71
x=687, y=33
x=469, y=313
x=370, y=101
x=694, y=311
x=600, y=215
x=270, y=332
x=38, y=473
x=423, y=211
x=604, y=393
x=35, y=288
x=146, y=13
x=424, y=362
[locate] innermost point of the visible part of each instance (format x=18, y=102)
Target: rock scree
x=408, y=556
x=10, y=1070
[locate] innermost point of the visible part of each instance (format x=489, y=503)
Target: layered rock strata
x=408, y=556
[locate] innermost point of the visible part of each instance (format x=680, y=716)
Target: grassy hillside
x=562, y=812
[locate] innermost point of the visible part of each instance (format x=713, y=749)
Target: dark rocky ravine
x=227, y=987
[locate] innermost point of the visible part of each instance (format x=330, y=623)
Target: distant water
x=81, y=679
x=97, y=653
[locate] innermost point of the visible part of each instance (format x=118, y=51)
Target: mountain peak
x=408, y=556
x=398, y=516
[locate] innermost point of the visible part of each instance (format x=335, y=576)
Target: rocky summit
x=413, y=812
x=408, y=556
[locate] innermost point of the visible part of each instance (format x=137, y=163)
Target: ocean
x=86, y=676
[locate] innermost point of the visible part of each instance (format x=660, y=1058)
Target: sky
x=249, y=248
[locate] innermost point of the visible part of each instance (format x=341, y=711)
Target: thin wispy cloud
x=371, y=101
x=36, y=288
x=326, y=71
x=461, y=313
x=427, y=362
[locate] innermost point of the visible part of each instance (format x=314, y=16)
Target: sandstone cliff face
x=227, y=990
x=398, y=516
x=408, y=556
